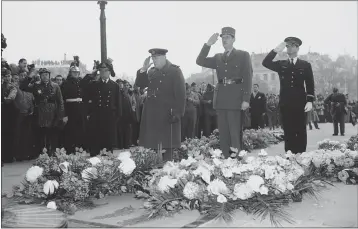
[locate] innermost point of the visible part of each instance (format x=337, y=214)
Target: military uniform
x=105, y=110
x=337, y=102
x=234, y=73
x=74, y=131
x=165, y=101
x=293, y=97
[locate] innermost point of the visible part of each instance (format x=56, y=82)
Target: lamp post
x=102, y=18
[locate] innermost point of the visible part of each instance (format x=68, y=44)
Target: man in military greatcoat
x=337, y=102
x=295, y=100
x=75, y=113
x=232, y=94
x=104, y=99
x=164, y=106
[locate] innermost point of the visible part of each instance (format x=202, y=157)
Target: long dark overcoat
x=166, y=92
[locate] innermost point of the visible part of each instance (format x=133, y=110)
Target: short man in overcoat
x=296, y=93
x=164, y=106
x=106, y=109
x=337, y=102
x=257, y=108
x=232, y=94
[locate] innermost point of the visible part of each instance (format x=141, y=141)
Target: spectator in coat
x=257, y=108
x=209, y=113
x=337, y=102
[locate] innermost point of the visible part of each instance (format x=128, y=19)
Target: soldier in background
x=106, y=109
x=160, y=126
x=232, y=94
x=337, y=102
x=295, y=100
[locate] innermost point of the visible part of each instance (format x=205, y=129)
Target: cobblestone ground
x=338, y=207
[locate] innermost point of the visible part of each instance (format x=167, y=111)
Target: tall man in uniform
x=106, y=109
x=296, y=93
x=164, y=106
x=232, y=94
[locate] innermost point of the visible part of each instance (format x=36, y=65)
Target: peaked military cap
x=103, y=65
x=293, y=41
x=158, y=52
x=43, y=70
x=227, y=31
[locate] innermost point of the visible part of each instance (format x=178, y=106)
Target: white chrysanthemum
x=317, y=161
x=216, y=152
x=263, y=153
x=289, y=154
x=191, y=190
x=263, y=190
x=270, y=172
x=50, y=186
x=243, y=191
x=34, y=173
x=255, y=182
x=183, y=147
x=250, y=159
x=289, y=186
x=124, y=155
x=64, y=166
x=165, y=183
x=217, y=187
x=123, y=188
x=178, y=173
x=242, y=153
x=348, y=162
x=127, y=166
x=52, y=205
x=203, y=172
x=351, y=153
x=217, y=162
x=187, y=162
x=221, y=199
x=227, y=172
x=94, y=161
x=85, y=173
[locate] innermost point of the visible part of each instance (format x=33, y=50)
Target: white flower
x=243, y=191
x=124, y=155
x=184, y=147
x=289, y=186
x=217, y=162
x=165, y=183
x=269, y=172
x=235, y=150
x=289, y=154
x=191, y=190
x=52, y=205
x=221, y=199
x=348, y=162
x=227, y=172
x=127, y=166
x=123, y=188
x=34, y=173
x=263, y=190
x=64, y=166
x=50, y=186
x=217, y=187
x=81, y=150
x=187, y=162
x=242, y=153
x=85, y=173
x=263, y=153
x=216, y=152
x=169, y=167
x=255, y=182
x=250, y=159
x=94, y=161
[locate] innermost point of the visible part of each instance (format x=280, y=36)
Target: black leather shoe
x=334, y=134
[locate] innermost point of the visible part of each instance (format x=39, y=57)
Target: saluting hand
x=212, y=40
x=280, y=47
x=146, y=64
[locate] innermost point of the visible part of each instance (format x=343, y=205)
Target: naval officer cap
x=227, y=31
x=293, y=41
x=158, y=52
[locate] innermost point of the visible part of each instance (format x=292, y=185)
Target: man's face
x=159, y=61
x=227, y=41
x=23, y=64
x=75, y=74
x=7, y=78
x=292, y=49
x=16, y=79
x=255, y=88
x=59, y=80
x=121, y=86
x=45, y=77
x=104, y=73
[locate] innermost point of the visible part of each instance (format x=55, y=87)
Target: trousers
x=230, y=130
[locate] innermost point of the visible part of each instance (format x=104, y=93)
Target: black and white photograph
x=179, y=114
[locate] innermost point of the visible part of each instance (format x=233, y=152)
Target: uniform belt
x=74, y=100
x=231, y=81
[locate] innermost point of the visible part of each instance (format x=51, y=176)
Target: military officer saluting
x=160, y=126
x=296, y=92
x=232, y=94
x=105, y=101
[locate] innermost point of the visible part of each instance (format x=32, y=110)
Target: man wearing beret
x=232, y=94
x=106, y=109
x=296, y=93
x=160, y=126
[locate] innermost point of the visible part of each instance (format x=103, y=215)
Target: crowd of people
x=34, y=115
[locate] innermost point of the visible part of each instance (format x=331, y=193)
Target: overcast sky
x=47, y=30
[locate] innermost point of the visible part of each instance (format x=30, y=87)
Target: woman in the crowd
x=49, y=109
